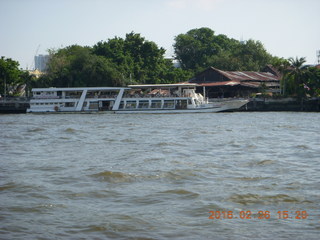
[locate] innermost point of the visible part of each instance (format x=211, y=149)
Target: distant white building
x=40, y=62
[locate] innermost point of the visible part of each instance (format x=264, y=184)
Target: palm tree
x=282, y=65
x=296, y=76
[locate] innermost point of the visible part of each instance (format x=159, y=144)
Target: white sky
x=287, y=28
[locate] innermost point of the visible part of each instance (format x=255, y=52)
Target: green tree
x=10, y=75
x=139, y=60
x=194, y=48
x=283, y=66
x=200, y=48
x=312, y=85
x=252, y=55
x=77, y=66
x=296, y=76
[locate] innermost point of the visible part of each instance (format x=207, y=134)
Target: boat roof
x=53, y=89
x=175, y=85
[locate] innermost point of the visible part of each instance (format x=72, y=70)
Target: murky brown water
x=100, y=176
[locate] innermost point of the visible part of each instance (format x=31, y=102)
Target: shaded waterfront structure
x=227, y=84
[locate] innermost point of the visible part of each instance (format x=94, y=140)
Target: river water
x=180, y=176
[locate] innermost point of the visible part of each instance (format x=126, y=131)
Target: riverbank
x=14, y=105
x=20, y=105
x=283, y=104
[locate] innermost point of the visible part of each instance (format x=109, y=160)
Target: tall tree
x=252, y=55
x=195, y=47
x=77, y=66
x=10, y=75
x=296, y=76
x=201, y=48
x=313, y=82
x=138, y=60
x=283, y=66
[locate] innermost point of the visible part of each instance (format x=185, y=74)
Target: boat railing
x=102, y=96
x=225, y=99
x=158, y=95
x=45, y=97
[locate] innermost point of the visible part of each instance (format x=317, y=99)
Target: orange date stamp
x=248, y=215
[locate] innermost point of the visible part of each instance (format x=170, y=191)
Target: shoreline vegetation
x=120, y=62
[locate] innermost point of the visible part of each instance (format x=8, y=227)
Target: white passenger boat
x=161, y=98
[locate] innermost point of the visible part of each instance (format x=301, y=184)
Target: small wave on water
x=8, y=186
x=302, y=147
x=37, y=129
x=171, y=176
x=261, y=163
x=247, y=199
x=114, y=177
x=168, y=144
x=117, y=225
x=182, y=193
x=19, y=187
x=251, y=179
x=37, y=208
x=178, y=175
x=70, y=130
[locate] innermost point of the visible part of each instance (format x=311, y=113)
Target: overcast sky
x=287, y=28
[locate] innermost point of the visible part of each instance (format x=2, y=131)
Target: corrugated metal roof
x=182, y=84
x=243, y=78
x=252, y=84
x=245, y=75
x=214, y=84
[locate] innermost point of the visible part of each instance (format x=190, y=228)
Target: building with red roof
x=219, y=83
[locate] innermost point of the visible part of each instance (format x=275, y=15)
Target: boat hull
x=217, y=107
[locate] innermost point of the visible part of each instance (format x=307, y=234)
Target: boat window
x=131, y=104
x=156, y=104
x=121, y=105
x=93, y=105
x=69, y=104
x=143, y=104
x=168, y=104
x=181, y=104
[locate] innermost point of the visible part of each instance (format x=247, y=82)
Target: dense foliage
x=201, y=48
x=298, y=80
x=134, y=60
x=116, y=62
x=11, y=77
